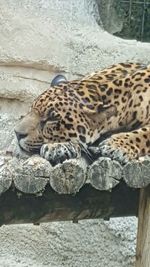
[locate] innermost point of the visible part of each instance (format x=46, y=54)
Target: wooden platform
x=33, y=191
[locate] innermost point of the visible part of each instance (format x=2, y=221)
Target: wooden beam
x=89, y=203
x=143, y=237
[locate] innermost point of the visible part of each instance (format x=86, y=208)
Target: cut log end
x=31, y=175
x=68, y=177
x=136, y=173
x=104, y=174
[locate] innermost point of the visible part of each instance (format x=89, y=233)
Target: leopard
x=105, y=113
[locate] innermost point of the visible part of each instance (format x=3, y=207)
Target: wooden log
x=89, y=203
x=5, y=174
x=143, y=237
x=136, y=174
x=31, y=176
x=69, y=177
x=104, y=174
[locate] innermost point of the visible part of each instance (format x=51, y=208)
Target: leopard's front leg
x=58, y=152
x=126, y=146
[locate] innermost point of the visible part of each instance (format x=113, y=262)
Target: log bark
x=143, y=237
x=89, y=203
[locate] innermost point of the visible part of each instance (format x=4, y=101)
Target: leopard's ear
x=58, y=79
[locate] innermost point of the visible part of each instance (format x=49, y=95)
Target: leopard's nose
x=20, y=135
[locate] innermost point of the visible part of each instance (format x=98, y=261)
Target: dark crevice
x=125, y=18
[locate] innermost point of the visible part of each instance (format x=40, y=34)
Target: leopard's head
x=65, y=112
x=55, y=116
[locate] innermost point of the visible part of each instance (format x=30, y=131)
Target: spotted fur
x=113, y=101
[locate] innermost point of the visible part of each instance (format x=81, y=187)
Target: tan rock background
x=38, y=39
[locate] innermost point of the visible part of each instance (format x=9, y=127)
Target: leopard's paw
x=59, y=152
x=108, y=148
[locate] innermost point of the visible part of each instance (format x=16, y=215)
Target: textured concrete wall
x=38, y=39
x=87, y=244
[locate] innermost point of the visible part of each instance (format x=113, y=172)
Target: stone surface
x=88, y=244
x=40, y=39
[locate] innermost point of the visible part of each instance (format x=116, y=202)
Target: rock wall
x=38, y=39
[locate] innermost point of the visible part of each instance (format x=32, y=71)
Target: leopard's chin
x=30, y=150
